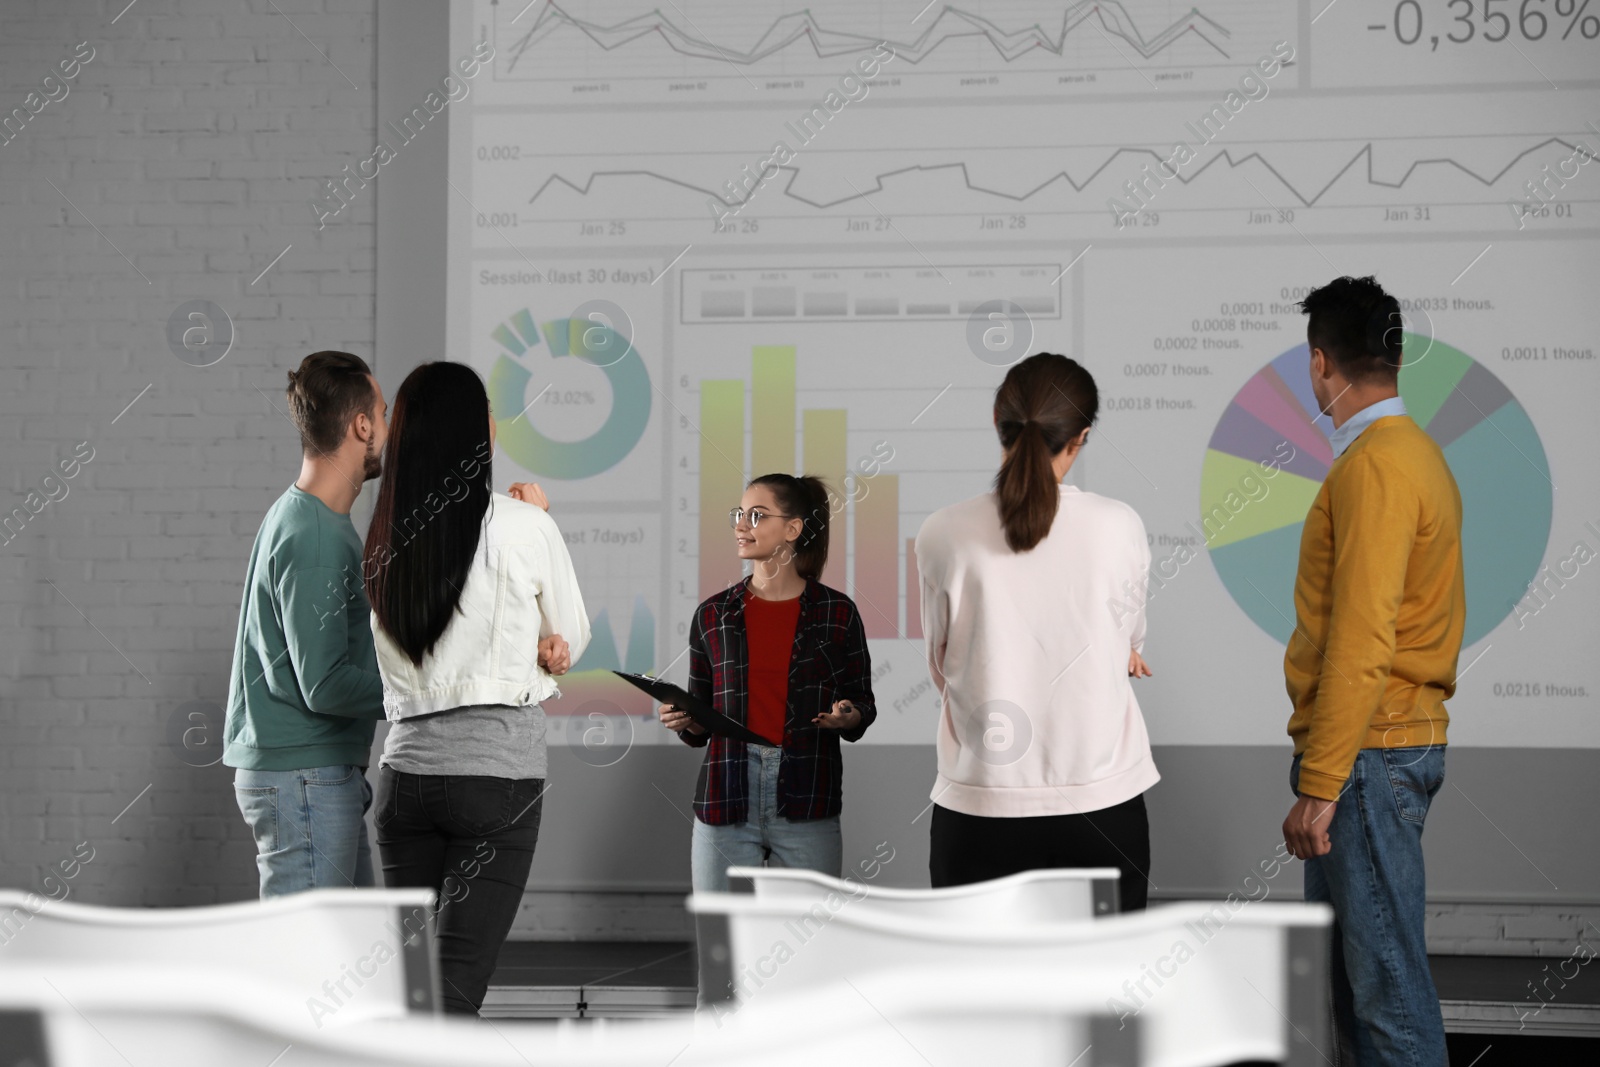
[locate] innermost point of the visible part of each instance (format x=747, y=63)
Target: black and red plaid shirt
x=829, y=662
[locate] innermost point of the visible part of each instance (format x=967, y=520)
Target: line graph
x=804, y=29
x=1303, y=197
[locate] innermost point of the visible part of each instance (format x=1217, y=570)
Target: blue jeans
x=1384, y=1002
x=310, y=826
x=809, y=844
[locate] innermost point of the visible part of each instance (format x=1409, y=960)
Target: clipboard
x=703, y=714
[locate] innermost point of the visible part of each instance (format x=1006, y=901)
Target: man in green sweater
x=1380, y=607
x=305, y=690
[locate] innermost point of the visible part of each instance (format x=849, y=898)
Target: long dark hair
x=805, y=498
x=1044, y=402
x=430, y=508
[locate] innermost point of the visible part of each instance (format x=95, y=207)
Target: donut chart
x=1252, y=523
x=598, y=345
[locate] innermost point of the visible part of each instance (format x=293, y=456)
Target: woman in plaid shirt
x=786, y=656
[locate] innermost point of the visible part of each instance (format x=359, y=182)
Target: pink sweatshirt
x=1030, y=654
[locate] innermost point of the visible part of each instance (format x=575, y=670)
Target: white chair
x=1026, y=899
x=1213, y=983
x=935, y=1015
x=889, y=1019
x=331, y=955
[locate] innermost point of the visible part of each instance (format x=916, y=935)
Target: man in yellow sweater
x=1380, y=603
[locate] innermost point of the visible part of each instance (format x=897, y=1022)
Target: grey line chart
x=1302, y=198
x=1109, y=17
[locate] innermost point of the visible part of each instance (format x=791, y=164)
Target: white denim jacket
x=520, y=588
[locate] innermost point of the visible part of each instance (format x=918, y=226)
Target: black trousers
x=470, y=839
x=976, y=848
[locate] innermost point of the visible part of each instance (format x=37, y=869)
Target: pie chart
x=1252, y=517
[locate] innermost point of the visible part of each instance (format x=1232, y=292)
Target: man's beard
x=371, y=463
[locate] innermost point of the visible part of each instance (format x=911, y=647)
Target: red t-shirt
x=769, y=632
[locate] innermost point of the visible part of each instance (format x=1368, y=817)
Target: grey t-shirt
x=493, y=740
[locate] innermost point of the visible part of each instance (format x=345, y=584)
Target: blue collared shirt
x=1344, y=435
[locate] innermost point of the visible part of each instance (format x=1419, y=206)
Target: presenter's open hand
x=554, y=656
x=678, y=721
x=842, y=716
x=1305, y=831
x=1137, y=668
x=529, y=493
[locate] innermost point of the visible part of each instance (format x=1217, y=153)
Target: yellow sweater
x=1380, y=603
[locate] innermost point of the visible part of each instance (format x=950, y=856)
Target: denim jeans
x=310, y=826
x=806, y=844
x=1384, y=1003
x=470, y=839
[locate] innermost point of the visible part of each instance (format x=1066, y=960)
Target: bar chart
x=867, y=293
x=865, y=500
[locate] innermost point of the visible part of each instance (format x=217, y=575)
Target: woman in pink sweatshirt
x=1033, y=606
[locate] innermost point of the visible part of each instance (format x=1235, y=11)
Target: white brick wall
x=193, y=140
x=556, y=915
x=1495, y=929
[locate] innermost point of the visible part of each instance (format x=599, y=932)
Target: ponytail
x=805, y=498
x=1044, y=403
x=1026, y=487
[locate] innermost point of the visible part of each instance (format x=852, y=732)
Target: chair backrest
x=94, y=1017
x=77, y=1016
x=1214, y=983
x=937, y=1014
x=1025, y=899
x=333, y=954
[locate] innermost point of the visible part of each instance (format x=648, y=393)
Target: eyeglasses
x=737, y=515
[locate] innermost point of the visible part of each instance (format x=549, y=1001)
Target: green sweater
x=305, y=689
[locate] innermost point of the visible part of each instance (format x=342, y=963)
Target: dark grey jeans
x=470, y=839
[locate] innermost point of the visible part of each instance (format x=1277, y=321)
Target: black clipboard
x=703, y=714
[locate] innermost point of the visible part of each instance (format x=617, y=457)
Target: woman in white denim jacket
x=475, y=609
